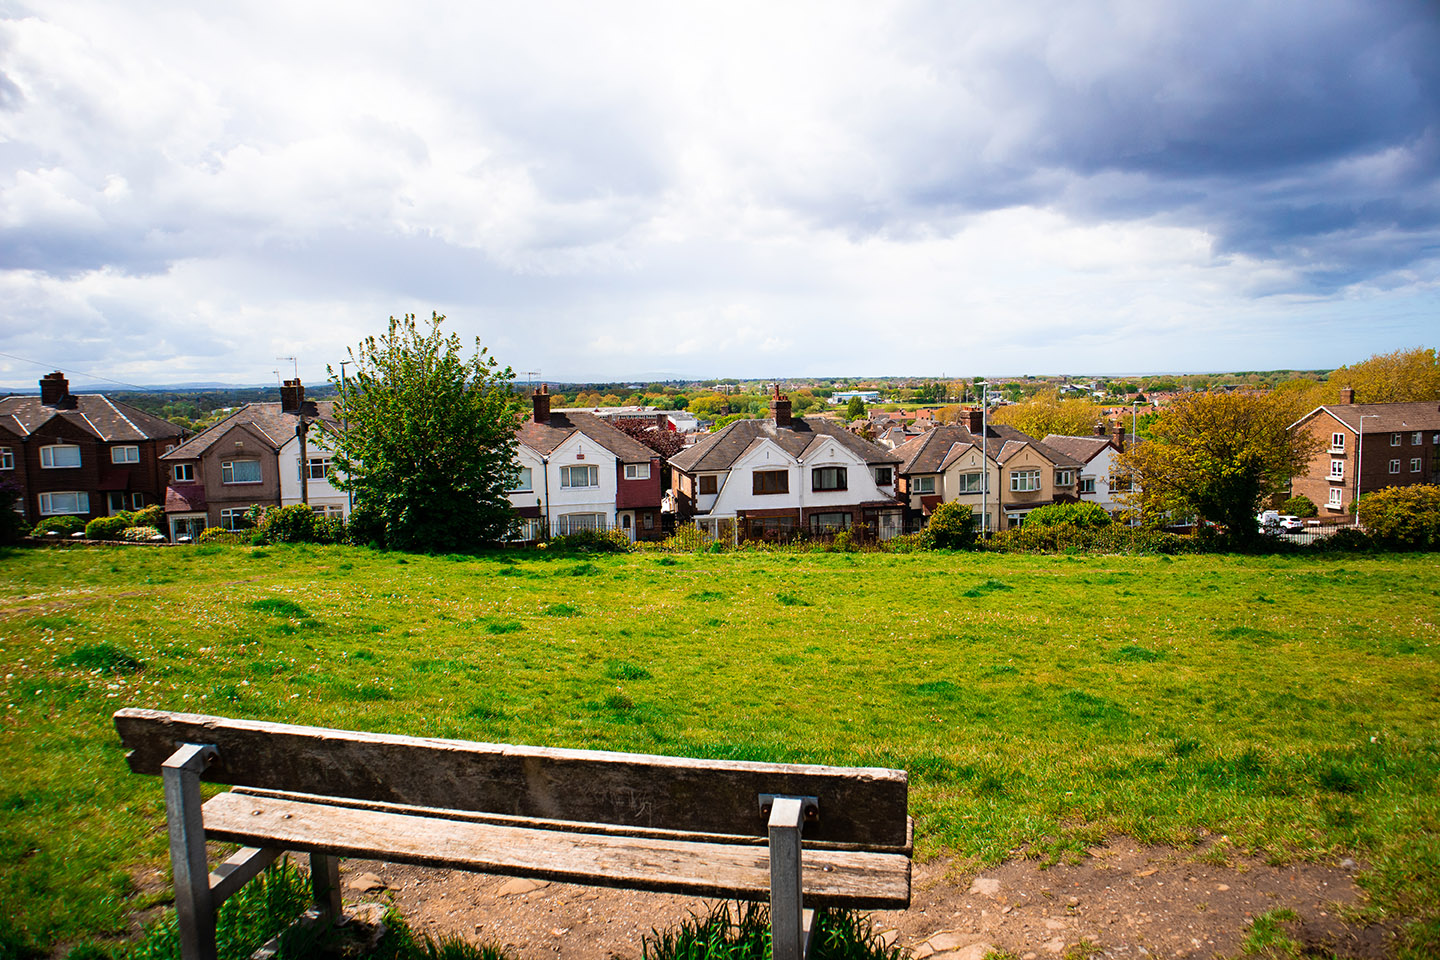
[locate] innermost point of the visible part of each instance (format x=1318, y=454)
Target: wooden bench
x=712, y=828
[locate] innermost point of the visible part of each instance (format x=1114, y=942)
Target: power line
x=93, y=376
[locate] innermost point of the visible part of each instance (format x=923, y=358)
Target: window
x=923, y=484
x=240, y=471
x=1025, y=481
x=575, y=522
x=770, y=528
x=1394, y=466
x=1416, y=438
x=884, y=476
x=772, y=481
x=524, y=481
x=7, y=458
x=1064, y=478
x=1415, y=465
x=968, y=483
x=1087, y=485
x=115, y=501
x=1119, y=484
x=233, y=518
x=828, y=478
x=319, y=468
x=637, y=471
x=709, y=483
x=1396, y=439
x=332, y=511
x=60, y=455
x=649, y=521
x=1337, y=469
x=1337, y=443
x=829, y=522
x=183, y=472
x=124, y=454
x=584, y=475
x=57, y=503
x=137, y=500
x=1336, y=493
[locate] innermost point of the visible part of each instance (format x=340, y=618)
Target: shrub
x=1300, y=506
x=293, y=524
x=592, y=541
x=1083, y=515
x=1068, y=538
x=687, y=538
x=221, y=535
x=12, y=530
x=952, y=527
x=107, y=528
x=909, y=542
x=151, y=516
x=64, y=526
x=1346, y=539
x=1403, y=518
x=141, y=534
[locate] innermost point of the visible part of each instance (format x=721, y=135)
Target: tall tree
x=855, y=410
x=1046, y=413
x=1398, y=377
x=1215, y=456
x=429, y=445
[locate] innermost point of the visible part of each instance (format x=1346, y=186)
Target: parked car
x=1291, y=524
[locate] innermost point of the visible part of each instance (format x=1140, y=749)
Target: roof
x=719, y=451
x=266, y=421
x=938, y=449
x=1083, y=449
x=109, y=420
x=544, y=438
x=1382, y=417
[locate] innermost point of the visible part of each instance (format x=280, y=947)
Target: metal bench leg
x=325, y=885
x=194, y=906
x=786, y=923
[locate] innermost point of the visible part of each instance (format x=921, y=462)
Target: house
x=1100, y=481
x=252, y=458
x=577, y=472
x=86, y=455
x=775, y=478
x=1366, y=447
x=867, y=397
x=999, y=472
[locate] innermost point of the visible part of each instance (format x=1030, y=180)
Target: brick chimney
x=55, y=391
x=292, y=396
x=975, y=420
x=1347, y=395
x=1099, y=428
x=780, y=408
x=541, y=399
x=1117, y=435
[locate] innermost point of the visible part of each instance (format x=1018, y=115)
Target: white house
x=324, y=498
x=1100, y=481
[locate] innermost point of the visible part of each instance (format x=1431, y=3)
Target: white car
x=1291, y=524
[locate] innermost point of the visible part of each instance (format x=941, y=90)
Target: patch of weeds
x=1183, y=747
x=713, y=622
x=1269, y=939
x=706, y=596
x=54, y=621
x=745, y=935
x=667, y=561
x=617, y=702
x=257, y=911
x=1134, y=653
x=1261, y=598
x=579, y=570
x=227, y=692
x=259, y=554
x=1086, y=949
x=938, y=689
x=367, y=655
x=790, y=600
x=1089, y=708
x=102, y=657
x=279, y=607
x=486, y=709
x=1252, y=634
x=989, y=586
x=625, y=670
x=561, y=610
x=999, y=670
x=503, y=626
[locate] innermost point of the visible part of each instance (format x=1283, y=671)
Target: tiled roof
x=719, y=451
x=265, y=420
x=543, y=438
x=108, y=420
x=1383, y=417
x=1083, y=449
x=936, y=450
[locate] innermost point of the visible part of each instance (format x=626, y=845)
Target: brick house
x=1396, y=440
x=85, y=455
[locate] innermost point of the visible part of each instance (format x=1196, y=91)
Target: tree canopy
x=855, y=409
x=1045, y=413
x=1215, y=456
x=428, y=450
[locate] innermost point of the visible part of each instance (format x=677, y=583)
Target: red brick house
x=1397, y=442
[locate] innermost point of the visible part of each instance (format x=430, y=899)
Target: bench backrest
x=858, y=805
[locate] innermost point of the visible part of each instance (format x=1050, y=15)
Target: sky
x=646, y=191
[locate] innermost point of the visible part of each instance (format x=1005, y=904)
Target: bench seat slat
x=831, y=877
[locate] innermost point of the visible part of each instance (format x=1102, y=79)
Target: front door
x=116, y=501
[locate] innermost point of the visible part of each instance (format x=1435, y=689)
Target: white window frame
x=1337, y=469
x=126, y=454
x=7, y=458
x=567, y=477
x=228, y=516
x=925, y=485
x=1087, y=485
x=1337, y=443
x=183, y=473
x=47, y=456
x=568, y=523
x=48, y=508
x=966, y=483
x=1025, y=481
x=1417, y=438
x=1414, y=464
x=324, y=472
x=137, y=500
x=1396, y=439
x=524, y=481
x=227, y=472
x=1394, y=466
x=1337, y=496
x=1064, y=478
x=637, y=471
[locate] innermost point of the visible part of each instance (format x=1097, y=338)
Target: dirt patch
x=1126, y=899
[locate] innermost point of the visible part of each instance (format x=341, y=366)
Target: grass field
x=1290, y=705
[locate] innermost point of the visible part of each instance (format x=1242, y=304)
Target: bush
x=909, y=542
x=952, y=527
x=592, y=541
x=1403, y=518
x=64, y=526
x=108, y=528
x=1345, y=540
x=141, y=534
x=687, y=538
x=1068, y=538
x=221, y=535
x=1300, y=506
x=151, y=516
x=293, y=524
x=1083, y=515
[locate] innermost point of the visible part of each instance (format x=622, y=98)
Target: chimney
x=541, y=400
x=975, y=420
x=1347, y=395
x=780, y=408
x=55, y=391
x=1117, y=435
x=1099, y=428
x=292, y=396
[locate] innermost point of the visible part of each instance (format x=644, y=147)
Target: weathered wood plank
x=830, y=877
x=862, y=805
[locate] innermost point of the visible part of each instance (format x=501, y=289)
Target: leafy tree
x=1403, y=517
x=1078, y=514
x=12, y=524
x=430, y=446
x=710, y=405
x=855, y=410
x=1398, y=377
x=1045, y=413
x=952, y=526
x=1301, y=506
x=666, y=443
x=1216, y=456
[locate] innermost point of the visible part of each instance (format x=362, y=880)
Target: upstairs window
x=1415, y=465
x=1396, y=439
x=524, y=481
x=7, y=458
x=771, y=481
x=124, y=454
x=183, y=472
x=60, y=455
x=240, y=471
x=319, y=468
x=582, y=475
x=1025, y=481
x=1087, y=485
x=637, y=471
x=1337, y=469
x=1417, y=438
x=884, y=476
x=828, y=478
x=923, y=484
x=969, y=483
x=1337, y=442
x=1064, y=478
x=709, y=483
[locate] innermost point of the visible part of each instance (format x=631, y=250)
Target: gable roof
x=544, y=438
x=106, y=419
x=266, y=421
x=1381, y=417
x=934, y=452
x=1083, y=449
x=719, y=451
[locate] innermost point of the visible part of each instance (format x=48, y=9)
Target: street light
x=984, y=458
x=1360, y=459
x=345, y=426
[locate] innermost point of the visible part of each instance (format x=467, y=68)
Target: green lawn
x=1039, y=703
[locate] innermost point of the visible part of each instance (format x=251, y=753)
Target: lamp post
x=1360, y=459
x=345, y=427
x=984, y=458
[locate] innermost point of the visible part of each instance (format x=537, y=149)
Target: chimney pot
x=1099, y=428
x=975, y=420
x=1117, y=435
x=292, y=396
x=780, y=408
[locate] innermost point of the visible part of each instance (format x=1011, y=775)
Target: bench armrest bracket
x=194, y=902
x=789, y=929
